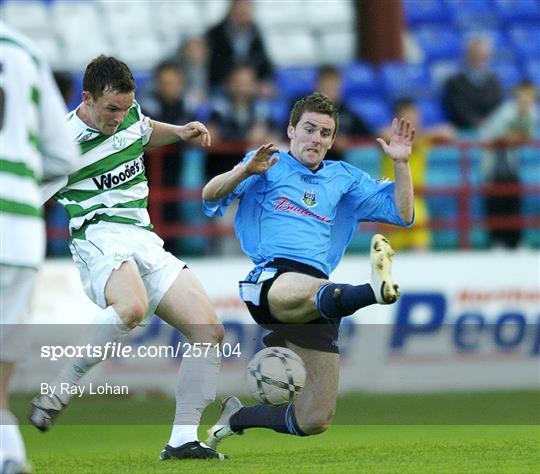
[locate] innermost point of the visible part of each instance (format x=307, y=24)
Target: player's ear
x=332, y=143
x=290, y=131
x=87, y=97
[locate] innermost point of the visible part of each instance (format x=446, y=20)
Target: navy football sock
x=281, y=419
x=336, y=300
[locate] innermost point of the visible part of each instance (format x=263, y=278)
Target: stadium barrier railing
x=462, y=222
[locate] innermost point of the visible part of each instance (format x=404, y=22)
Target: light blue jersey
x=307, y=216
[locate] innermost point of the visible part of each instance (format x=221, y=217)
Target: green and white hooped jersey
x=34, y=145
x=110, y=183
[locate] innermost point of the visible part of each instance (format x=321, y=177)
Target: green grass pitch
x=72, y=447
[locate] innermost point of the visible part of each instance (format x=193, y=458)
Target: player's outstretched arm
x=223, y=184
x=167, y=134
x=399, y=149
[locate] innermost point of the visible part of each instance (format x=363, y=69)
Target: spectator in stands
x=239, y=117
x=193, y=59
x=164, y=102
x=472, y=94
x=418, y=237
x=236, y=41
x=239, y=120
x=511, y=125
x=351, y=126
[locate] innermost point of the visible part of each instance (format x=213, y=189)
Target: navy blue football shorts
x=320, y=334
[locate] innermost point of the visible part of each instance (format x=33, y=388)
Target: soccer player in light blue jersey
x=296, y=216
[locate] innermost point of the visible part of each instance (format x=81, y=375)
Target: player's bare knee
x=132, y=312
x=317, y=423
x=215, y=329
x=204, y=333
x=216, y=333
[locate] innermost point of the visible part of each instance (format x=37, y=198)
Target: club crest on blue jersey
x=309, y=198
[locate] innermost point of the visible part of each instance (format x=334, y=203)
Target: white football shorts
x=108, y=245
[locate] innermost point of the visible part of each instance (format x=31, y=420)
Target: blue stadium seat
x=443, y=207
x=438, y=42
x=518, y=10
x=76, y=98
x=477, y=207
x=509, y=74
x=203, y=111
x=279, y=112
x=532, y=71
x=473, y=14
x=294, y=82
x=526, y=41
x=476, y=173
x=502, y=47
x=443, y=167
x=529, y=165
x=56, y=218
x=367, y=158
x=529, y=171
x=478, y=237
x=142, y=78
x=431, y=112
x=402, y=79
x=359, y=78
x=425, y=11
x=374, y=111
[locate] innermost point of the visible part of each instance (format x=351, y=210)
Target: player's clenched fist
x=193, y=130
x=262, y=160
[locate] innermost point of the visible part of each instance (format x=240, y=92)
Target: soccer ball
x=275, y=376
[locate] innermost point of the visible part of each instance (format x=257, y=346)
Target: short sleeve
x=372, y=200
x=146, y=130
x=146, y=124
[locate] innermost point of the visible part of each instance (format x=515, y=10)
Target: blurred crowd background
x=465, y=72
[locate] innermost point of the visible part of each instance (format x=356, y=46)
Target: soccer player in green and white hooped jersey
x=34, y=146
x=122, y=263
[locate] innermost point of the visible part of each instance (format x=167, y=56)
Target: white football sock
x=182, y=434
x=196, y=389
x=11, y=442
x=110, y=329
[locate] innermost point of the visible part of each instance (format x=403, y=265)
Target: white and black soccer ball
x=275, y=376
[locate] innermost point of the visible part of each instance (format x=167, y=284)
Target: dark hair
x=167, y=64
x=316, y=102
x=525, y=84
x=403, y=103
x=106, y=72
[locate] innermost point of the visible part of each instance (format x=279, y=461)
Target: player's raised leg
x=187, y=307
x=310, y=414
x=127, y=302
x=298, y=298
